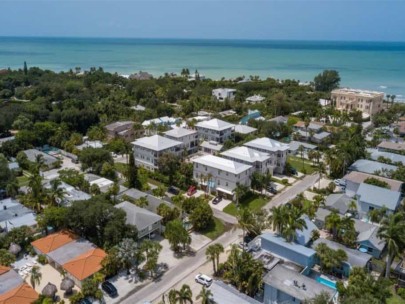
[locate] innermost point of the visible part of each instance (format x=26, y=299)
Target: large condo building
x=367, y=102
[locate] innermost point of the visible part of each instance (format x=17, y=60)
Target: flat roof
x=393, y=157
x=360, y=177
x=156, y=143
x=222, y=164
x=226, y=294
x=246, y=154
x=282, y=278
x=117, y=124
x=71, y=250
x=378, y=196
x=357, y=92
x=212, y=145
x=370, y=166
x=33, y=153
x=215, y=124
x=180, y=132
x=294, y=145
x=392, y=145
x=268, y=144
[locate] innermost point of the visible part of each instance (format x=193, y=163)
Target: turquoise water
x=367, y=65
x=326, y=282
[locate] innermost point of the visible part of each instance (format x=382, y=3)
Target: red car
x=191, y=190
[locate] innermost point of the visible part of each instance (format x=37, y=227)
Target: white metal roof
x=156, y=143
x=246, y=154
x=180, y=132
x=268, y=144
x=215, y=124
x=222, y=164
x=243, y=129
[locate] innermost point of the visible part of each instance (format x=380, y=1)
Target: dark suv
x=110, y=289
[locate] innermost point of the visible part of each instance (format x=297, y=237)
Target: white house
x=255, y=99
x=277, y=151
x=220, y=174
x=147, y=150
x=215, y=130
x=260, y=161
x=188, y=137
x=223, y=93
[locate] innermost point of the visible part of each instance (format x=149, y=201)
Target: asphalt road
x=292, y=191
x=155, y=290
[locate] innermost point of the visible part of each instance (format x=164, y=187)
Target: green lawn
x=253, y=202
x=395, y=299
x=296, y=162
x=121, y=168
x=215, y=229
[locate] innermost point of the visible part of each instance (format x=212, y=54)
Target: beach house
x=122, y=129
x=220, y=174
x=188, y=137
x=222, y=94
x=372, y=167
x=13, y=289
x=215, y=130
x=277, y=151
x=148, y=150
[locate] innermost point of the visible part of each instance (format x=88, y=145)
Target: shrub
x=401, y=292
x=284, y=181
x=42, y=259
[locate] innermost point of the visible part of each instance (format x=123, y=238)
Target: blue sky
x=380, y=20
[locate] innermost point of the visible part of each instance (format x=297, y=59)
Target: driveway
x=292, y=191
x=221, y=205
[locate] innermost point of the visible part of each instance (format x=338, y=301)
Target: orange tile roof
x=53, y=241
x=4, y=269
x=85, y=264
x=23, y=294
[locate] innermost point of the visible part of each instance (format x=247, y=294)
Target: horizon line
x=202, y=39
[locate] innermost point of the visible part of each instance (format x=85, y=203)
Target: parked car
x=191, y=191
x=340, y=182
x=203, y=279
x=109, y=288
x=293, y=171
x=173, y=190
x=272, y=190
x=85, y=301
x=217, y=200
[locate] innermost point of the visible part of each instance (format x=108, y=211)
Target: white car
x=203, y=279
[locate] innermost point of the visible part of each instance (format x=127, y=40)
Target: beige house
x=367, y=102
x=124, y=130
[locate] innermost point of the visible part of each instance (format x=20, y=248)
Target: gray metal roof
x=9, y=280
x=180, y=132
x=246, y=154
x=308, y=252
x=294, y=145
x=375, y=154
x=153, y=201
x=370, y=166
x=282, y=278
x=378, y=196
x=13, y=214
x=360, y=177
x=32, y=154
x=354, y=257
x=137, y=216
x=227, y=294
x=242, y=129
x=267, y=144
x=215, y=124
x=304, y=236
x=338, y=201
x=279, y=119
x=71, y=250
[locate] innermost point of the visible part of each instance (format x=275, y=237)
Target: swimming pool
x=326, y=282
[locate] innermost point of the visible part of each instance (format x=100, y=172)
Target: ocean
x=364, y=65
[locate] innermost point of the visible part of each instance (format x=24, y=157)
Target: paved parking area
x=198, y=241
x=221, y=205
x=290, y=179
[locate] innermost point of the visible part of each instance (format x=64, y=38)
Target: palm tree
x=36, y=276
x=56, y=193
x=239, y=192
x=210, y=254
x=184, y=295
x=320, y=169
x=352, y=205
x=219, y=248
x=172, y=297
x=392, y=232
x=294, y=222
x=245, y=219
x=206, y=296
x=332, y=223
x=277, y=219
x=12, y=189
x=301, y=150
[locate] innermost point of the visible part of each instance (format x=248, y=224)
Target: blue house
x=304, y=235
x=293, y=252
x=371, y=197
x=355, y=258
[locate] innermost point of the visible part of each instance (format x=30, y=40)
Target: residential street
x=155, y=290
x=291, y=192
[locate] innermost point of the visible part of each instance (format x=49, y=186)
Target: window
x=370, y=208
x=226, y=184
